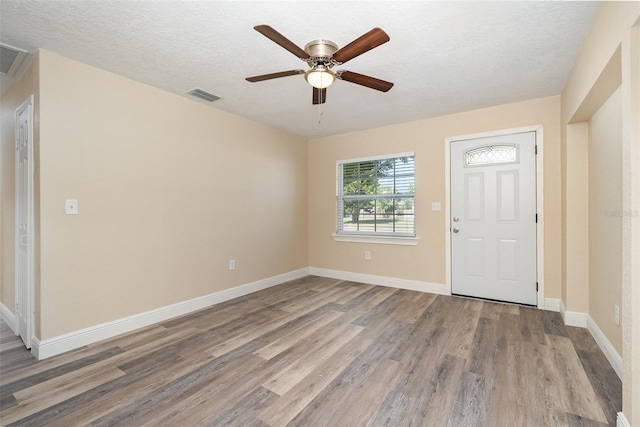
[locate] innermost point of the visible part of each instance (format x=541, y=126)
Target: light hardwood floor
x=323, y=352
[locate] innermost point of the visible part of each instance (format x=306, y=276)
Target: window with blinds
x=376, y=196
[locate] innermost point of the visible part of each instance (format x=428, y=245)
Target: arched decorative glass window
x=491, y=154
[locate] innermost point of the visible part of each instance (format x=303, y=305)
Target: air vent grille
x=202, y=94
x=10, y=60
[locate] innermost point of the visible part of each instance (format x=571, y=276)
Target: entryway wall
x=605, y=217
x=609, y=58
x=593, y=213
x=425, y=264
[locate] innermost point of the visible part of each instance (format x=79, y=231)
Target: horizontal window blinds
x=376, y=196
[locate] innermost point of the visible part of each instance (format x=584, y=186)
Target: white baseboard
x=63, y=343
x=552, y=304
x=573, y=318
x=583, y=320
x=622, y=421
x=412, y=285
x=605, y=345
x=35, y=348
x=8, y=317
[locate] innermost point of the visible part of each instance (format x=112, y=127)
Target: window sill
x=384, y=240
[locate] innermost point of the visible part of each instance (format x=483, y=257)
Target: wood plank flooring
x=323, y=352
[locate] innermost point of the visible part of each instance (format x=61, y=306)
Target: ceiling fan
x=322, y=56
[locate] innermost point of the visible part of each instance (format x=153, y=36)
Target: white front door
x=24, y=221
x=493, y=218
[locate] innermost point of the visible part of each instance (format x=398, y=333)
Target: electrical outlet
x=232, y=264
x=71, y=207
x=367, y=255
x=616, y=314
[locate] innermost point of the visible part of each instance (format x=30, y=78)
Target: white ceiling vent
x=202, y=94
x=10, y=59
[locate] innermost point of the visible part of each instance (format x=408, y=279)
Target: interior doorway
x=24, y=223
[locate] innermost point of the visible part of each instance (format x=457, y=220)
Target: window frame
x=382, y=237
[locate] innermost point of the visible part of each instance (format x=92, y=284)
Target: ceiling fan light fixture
x=320, y=77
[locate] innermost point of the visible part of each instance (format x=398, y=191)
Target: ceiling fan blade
x=361, y=79
x=274, y=75
x=319, y=96
x=362, y=44
x=278, y=38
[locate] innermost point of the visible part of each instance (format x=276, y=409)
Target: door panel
x=508, y=200
x=24, y=228
x=474, y=256
x=493, y=207
x=474, y=197
x=508, y=260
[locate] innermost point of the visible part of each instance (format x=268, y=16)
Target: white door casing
x=24, y=222
x=493, y=218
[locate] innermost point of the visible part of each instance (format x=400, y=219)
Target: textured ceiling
x=444, y=57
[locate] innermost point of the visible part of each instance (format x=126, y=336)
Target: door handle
x=455, y=230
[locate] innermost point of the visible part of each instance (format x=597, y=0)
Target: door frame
x=27, y=306
x=538, y=129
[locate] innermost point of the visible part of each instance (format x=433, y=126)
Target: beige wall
x=13, y=98
x=605, y=217
x=590, y=83
x=610, y=25
x=576, y=229
x=169, y=190
x=426, y=261
x=631, y=223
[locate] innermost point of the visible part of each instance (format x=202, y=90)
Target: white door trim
x=27, y=306
x=538, y=129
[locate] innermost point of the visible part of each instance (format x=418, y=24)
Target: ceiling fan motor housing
x=321, y=52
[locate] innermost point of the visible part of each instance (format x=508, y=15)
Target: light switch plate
x=435, y=206
x=71, y=207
